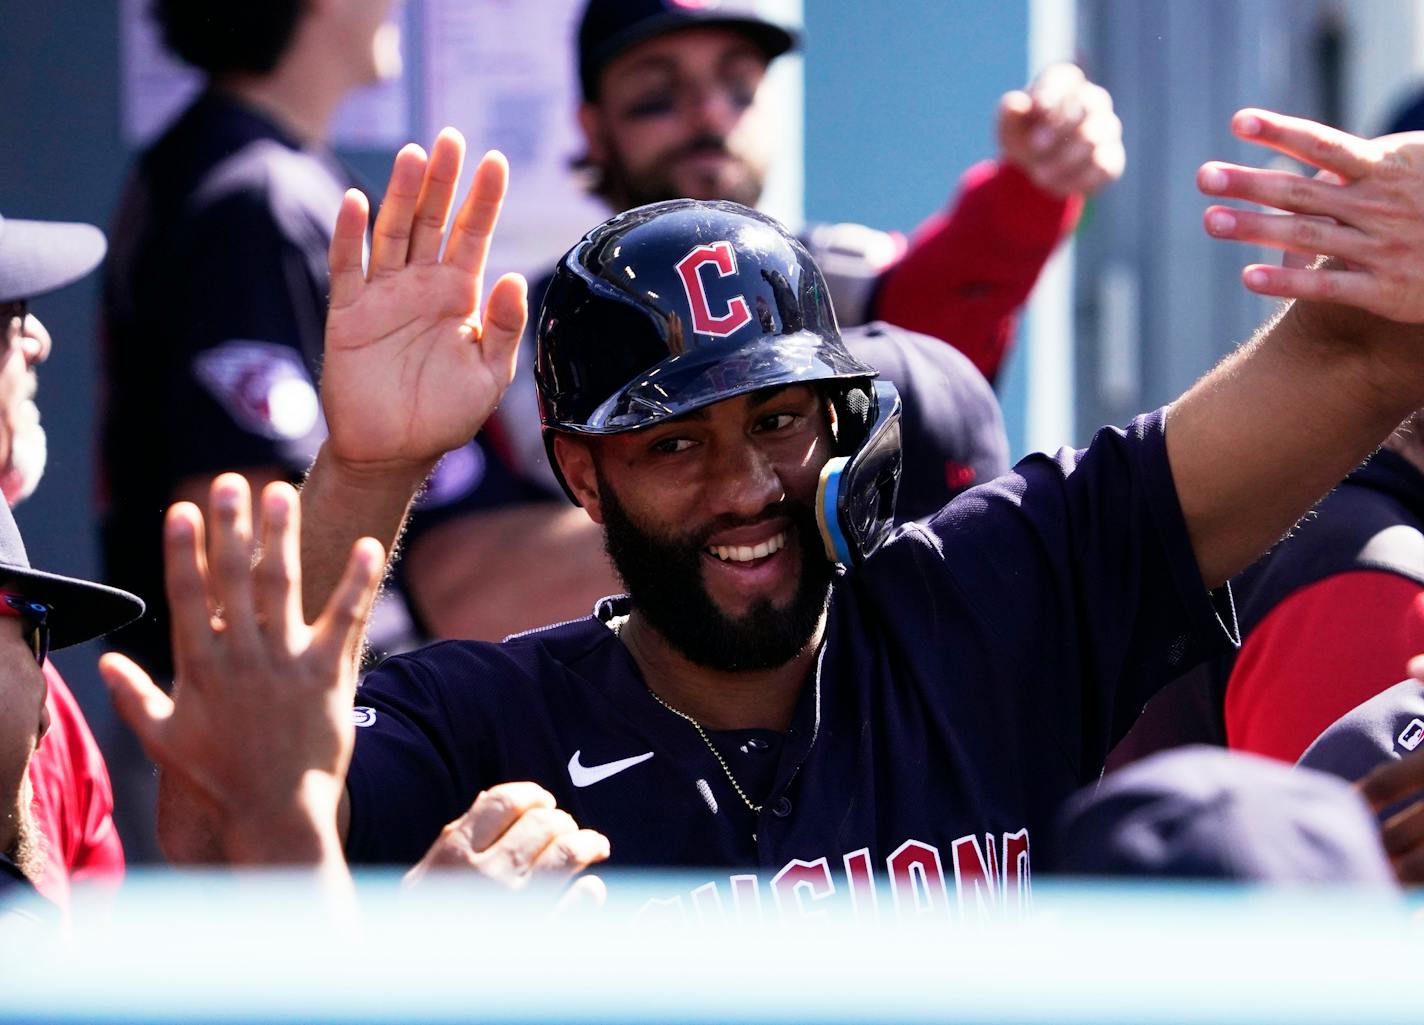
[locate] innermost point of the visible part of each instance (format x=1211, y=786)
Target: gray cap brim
x=40, y=256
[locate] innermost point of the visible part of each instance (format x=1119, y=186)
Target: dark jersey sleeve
x=1079, y=581
x=411, y=742
x=242, y=343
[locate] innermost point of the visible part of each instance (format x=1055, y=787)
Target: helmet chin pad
x=855, y=497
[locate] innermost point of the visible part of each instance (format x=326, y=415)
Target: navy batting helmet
x=673, y=306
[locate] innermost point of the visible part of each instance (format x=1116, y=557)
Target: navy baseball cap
x=1203, y=812
x=39, y=256
x=951, y=429
x=83, y=609
x=611, y=26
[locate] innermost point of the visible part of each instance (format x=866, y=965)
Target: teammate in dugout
x=676, y=103
x=920, y=713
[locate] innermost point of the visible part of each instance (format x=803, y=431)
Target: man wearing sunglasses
x=39, y=611
x=73, y=799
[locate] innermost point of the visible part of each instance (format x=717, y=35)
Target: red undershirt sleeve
x=968, y=269
x=1318, y=654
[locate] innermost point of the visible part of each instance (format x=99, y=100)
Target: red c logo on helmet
x=724, y=259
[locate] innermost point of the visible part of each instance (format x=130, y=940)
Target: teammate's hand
x=1403, y=832
x=514, y=835
x=260, y=723
x=1367, y=215
x=1062, y=132
x=413, y=366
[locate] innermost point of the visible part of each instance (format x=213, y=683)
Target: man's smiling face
x=710, y=521
x=681, y=116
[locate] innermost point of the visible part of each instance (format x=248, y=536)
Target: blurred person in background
x=215, y=294
x=675, y=104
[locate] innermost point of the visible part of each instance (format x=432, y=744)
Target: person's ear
x=590, y=119
x=576, y=464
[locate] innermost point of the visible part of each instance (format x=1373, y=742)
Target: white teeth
x=746, y=553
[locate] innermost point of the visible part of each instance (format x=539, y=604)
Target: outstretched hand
x=515, y=836
x=259, y=727
x=1366, y=214
x=1062, y=132
x=413, y=366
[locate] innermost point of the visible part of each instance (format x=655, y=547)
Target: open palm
x=413, y=365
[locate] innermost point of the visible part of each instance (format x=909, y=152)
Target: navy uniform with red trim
x=975, y=668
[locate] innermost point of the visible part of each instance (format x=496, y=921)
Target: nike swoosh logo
x=587, y=775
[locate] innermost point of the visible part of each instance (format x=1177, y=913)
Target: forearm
x=488, y=575
x=969, y=269
x=1259, y=440
x=339, y=506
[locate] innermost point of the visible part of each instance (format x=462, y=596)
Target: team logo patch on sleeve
x=363, y=715
x=264, y=387
x=1412, y=735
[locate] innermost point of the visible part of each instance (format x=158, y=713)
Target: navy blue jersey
x=214, y=317
x=975, y=671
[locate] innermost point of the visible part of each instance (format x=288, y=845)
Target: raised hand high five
x=1367, y=214
x=413, y=365
x=258, y=734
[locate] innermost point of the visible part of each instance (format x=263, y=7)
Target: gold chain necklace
x=756, y=808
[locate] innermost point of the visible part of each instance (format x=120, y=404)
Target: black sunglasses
x=35, y=620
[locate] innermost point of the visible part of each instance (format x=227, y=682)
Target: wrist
x=300, y=832
x=366, y=477
x=1377, y=359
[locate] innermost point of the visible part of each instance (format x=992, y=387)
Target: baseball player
x=38, y=611
x=914, y=716
x=73, y=797
x=675, y=104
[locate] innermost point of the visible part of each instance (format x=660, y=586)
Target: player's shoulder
x=852, y=257
x=543, y=656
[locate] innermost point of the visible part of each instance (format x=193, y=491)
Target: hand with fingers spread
x=413, y=365
x=514, y=835
x=1366, y=214
x=1062, y=132
x=259, y=728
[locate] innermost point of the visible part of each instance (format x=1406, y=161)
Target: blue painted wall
x=900, y=100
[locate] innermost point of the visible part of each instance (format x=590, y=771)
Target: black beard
x=626, y=190
x=663, y=576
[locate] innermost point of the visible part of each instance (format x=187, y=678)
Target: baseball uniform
x=976, y=670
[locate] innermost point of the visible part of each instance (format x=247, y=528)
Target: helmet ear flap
x=855, y=497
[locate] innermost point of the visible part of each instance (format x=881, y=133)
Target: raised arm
x=1263, y=436
x=967, y=270
x=413, y=365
